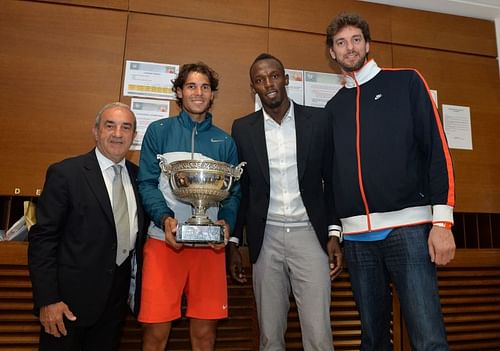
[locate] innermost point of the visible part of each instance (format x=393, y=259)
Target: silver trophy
x=202, y=183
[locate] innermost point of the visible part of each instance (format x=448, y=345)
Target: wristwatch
x=446, y=225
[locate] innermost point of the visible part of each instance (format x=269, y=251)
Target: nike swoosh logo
x=378, y=96
x=216, y=140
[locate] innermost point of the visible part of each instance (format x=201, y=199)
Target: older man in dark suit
x=286, y=208
x=87, y=241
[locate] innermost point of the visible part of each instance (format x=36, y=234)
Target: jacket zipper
x=193, y=133
x=358, y=155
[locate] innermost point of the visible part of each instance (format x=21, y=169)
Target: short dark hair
x=344, y=19
x=199, y=67
x=266, y=56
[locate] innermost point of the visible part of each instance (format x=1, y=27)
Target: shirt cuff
x=335, y=233
x=442, y=214
x=235, y=240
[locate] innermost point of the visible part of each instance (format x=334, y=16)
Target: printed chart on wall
x=149, y=79
x=320, y=87
x=147, y=111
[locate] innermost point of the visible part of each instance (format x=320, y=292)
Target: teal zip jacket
x=180, y=138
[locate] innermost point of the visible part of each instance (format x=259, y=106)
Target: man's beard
x=356, y=66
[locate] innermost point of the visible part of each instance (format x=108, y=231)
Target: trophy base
x=200, y=233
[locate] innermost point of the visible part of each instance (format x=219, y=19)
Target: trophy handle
x=238, y=170
x=164, y=165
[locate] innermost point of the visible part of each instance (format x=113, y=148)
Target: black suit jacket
x=314, y=171
x=72, y=247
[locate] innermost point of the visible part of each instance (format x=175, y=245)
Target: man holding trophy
x=186, y=168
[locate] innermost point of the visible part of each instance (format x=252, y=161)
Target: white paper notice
x=147, y=111
x=295, y=86
x=148, y=79
x=258, y=104
x=457, y=126
x=434, y=95
x=320, y=87
x=294, y=89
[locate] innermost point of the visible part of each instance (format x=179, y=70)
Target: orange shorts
x=199, y=273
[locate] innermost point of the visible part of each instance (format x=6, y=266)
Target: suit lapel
x=93, y=173
x=303, y=132
x=258, y=141
x=133, y=175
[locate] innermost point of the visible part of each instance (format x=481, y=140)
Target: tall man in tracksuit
x=394, y=190
x=170, y=268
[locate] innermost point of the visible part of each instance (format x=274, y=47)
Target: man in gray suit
x=286, y=209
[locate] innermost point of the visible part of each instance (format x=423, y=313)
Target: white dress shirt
x=285, y=203
x=108, y=173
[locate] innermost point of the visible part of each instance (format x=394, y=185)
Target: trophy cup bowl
x=202, y=183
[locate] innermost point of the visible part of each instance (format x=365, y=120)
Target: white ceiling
x=484, y=9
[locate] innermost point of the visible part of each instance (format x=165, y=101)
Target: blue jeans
x=403, y=259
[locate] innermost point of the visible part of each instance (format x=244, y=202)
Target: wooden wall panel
x=469, y=288
x=443, y=32
x=60, y=63
x=468, y=81
x=476, y=230
x=344, y=319
x=19, y=328
x=346, y=326
x=252, y=12
x=495, y=229
x=299, y=50
x=108, y=4
x=470, y=296
x=61, y=60
x=229, y=49
x=315, y=15
x=58, y=66
x=382, y=53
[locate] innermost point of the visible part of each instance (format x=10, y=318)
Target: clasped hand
x=170, y=225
